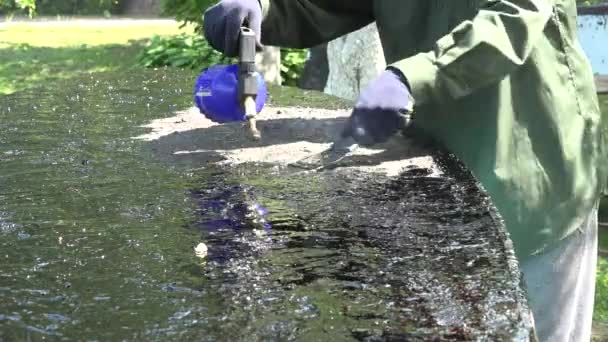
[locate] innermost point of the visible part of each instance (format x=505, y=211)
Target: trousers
x=561, y=285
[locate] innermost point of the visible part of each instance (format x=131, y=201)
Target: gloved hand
x=223, y=21
x=380, y=110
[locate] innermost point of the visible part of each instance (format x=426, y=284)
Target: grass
x=600, y=313
x=33, y=53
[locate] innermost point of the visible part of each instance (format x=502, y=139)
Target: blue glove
x=222, y=24
x=380, y=110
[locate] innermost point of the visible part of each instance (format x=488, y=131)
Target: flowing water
x=97, y=236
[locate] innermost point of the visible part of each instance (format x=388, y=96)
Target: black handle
x=248, y=85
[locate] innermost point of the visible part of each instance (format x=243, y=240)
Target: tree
x=189, y=12
x=58, y=7
x=14, y=6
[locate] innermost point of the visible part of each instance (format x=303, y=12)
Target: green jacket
x=504, y=84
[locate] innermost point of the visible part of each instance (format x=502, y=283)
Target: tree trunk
x=268, y=63
x=316, y=69
x=141, y=7
x=354, y=60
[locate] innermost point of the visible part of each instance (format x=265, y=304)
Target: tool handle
x=247, y=45
x=248, y=85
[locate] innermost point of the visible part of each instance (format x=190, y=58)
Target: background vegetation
x=187, y=11
x=36, y=55
x=589, y=2
x=58, y=7
x=190, y=50
x=187, y=50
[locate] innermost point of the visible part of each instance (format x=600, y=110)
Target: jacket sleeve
x=477, y=52
x=306, y=23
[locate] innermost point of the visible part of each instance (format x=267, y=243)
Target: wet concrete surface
x=105, y=192
x=420, y=258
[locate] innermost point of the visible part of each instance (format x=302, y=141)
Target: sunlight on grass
x=601, y=292
x=76, y=33
x=600, y=313
x=33, y=54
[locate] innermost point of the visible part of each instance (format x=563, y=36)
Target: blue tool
x=232, y=93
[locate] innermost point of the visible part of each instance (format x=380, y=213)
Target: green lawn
x=32, y=54
x=35, y=53
x=601, y=293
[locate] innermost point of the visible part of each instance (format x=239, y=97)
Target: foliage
x=28, y=5
x=188, y=12
x=292, y=65
x=18, y=6
x=193, y=51
x=184, y=51
x=601, y=292
x=185, y=11
x=58, y=7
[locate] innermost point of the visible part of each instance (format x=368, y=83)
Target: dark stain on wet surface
x=413, y=257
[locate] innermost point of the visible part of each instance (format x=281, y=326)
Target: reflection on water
x=97, y=236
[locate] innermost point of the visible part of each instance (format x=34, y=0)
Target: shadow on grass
x=23, y=66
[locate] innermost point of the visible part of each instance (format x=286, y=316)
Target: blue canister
x=216, y=94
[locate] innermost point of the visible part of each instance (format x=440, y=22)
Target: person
x=505, y=86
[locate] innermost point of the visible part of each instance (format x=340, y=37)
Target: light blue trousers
x=561, y=286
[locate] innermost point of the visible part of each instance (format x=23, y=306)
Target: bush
x=190, y=12
x=184, y=51
x=187, y=11
x=292, y=65
x=193, y=51
x=10, y=7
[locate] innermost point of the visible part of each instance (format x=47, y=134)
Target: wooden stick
x=250, y=112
